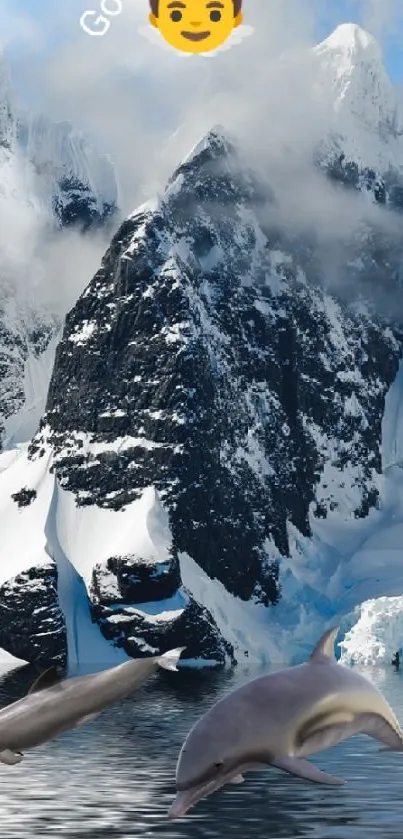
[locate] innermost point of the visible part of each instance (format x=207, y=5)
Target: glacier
x=349, y=574
x=377, y=632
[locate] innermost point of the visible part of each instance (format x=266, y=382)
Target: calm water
x=115, y=776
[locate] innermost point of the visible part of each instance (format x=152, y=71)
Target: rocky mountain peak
x=351, y=39
x=210, y=458
x=352, y=74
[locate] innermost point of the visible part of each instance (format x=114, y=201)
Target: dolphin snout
x=187, y=798
x=180, y=805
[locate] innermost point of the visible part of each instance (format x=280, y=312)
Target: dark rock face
x=386, y=189
x=141, y=635
x=134, y=580
x=11, y=372
x=123, y=589
x=211, y=350
x=24, y=497
x=32, y=626
x=76, y=206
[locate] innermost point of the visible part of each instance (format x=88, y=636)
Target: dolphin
x=278, y=720
x=54, y=705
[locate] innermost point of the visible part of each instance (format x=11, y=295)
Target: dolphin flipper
x=303, y=769
x=10, y=758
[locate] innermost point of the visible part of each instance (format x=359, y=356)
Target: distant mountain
x=220, y=443
x=50, y=178
x=367, y=118
x=74, y=181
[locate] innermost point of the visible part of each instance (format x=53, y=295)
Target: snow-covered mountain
x=350, y=69
x=75, y=182
x=365, y=115
x=219, y=460
x=50, y=179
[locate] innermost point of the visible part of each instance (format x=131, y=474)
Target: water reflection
x=115, y=777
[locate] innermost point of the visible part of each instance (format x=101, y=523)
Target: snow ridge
x=366, y=119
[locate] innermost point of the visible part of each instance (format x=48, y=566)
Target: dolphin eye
x=218, y=764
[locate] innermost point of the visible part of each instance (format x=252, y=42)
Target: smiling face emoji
x=195, y=25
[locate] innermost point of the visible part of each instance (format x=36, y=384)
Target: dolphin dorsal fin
x=324, y=650
x=47, y=679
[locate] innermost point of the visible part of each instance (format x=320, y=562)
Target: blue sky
x=57, y=21
x=131, y=98
x=388, y=30
x=394, y=58
x=127, y=95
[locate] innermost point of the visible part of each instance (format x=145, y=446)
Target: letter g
x=100, y=19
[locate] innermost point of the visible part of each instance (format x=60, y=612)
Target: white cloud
x=146, y=107
x=65, y=264
x=131, y=97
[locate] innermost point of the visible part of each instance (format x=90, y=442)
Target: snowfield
x=32, y=534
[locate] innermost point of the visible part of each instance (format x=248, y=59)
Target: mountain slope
x=50, y=179
x=231, y=382
x=365, y=117
x=209, y=464
x=76, y=184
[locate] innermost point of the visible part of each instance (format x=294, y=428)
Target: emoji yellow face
x=196, y=25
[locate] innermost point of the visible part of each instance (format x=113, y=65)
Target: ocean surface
x=115, y=776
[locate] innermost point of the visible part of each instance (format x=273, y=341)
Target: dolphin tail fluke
x=387, y=732
x=303, y=769
x=169, y=660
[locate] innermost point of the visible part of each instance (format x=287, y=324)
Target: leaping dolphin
x=278, y=720
x=54, y=704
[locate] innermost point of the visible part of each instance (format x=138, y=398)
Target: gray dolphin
x=278, y=720
x=54, y=704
